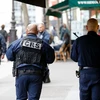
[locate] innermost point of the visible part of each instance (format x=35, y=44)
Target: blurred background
x=75, y=18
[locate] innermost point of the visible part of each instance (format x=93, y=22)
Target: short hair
x=3, y=26
x=41, y=24
x=92, y=22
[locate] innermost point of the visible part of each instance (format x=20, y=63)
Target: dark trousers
x=90, y=84
x=28, y=87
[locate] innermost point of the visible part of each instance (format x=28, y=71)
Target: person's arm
x=12, y=50
x=74, y=52
x=9, y=53
x=49, y=53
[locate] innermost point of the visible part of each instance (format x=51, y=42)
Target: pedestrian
x=86, y=51
x=4, y=32
x=64, y=31
x=30, y=55
x=45, y=36
x=2, y=47
x=65, y=47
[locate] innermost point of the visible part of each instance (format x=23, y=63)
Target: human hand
x=2, y=56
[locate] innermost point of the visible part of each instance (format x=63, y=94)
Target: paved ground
x=63, y=86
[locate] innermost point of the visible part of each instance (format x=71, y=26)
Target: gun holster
x=78, y=72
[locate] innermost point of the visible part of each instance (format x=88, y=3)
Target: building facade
x=35, y=14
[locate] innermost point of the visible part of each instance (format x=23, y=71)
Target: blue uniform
x=86, y=51
x=29, y=86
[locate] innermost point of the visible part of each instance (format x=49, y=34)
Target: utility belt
x=84, y=68
x=29, y=72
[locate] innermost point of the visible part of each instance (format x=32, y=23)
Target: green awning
x=57, y=9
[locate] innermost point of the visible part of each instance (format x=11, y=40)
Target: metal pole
x=46, y=18
x=13, y=22
x=70, y=32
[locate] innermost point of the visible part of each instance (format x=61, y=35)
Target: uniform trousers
x=90, y=84
x=28, y=87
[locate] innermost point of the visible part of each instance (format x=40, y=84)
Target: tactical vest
x=30, y=52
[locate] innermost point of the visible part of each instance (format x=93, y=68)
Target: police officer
x=86, y=51
x=45, y=36
x=30, y=55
